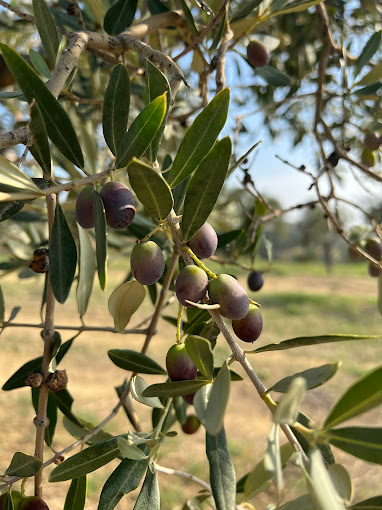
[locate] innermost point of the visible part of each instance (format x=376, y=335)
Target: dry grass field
x=294, y=303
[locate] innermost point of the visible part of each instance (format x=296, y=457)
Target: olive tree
x=118, y=130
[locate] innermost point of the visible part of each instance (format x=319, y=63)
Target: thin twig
x=20, y=14
x=103, y=329
x=220, y=57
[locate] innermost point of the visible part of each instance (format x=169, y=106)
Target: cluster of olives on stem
x=118, y=201
x=372, y=142
x=23, y=503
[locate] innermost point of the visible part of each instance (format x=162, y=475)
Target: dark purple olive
x=179, y=365
x=119, y=204
x=84, y=207
x=250, y=327
x=255, y=280
x=230, y=295
x=191, y=425
x=258, y=54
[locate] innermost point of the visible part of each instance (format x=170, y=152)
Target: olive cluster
x=118, y=202
x=372, y=142
x=23, y=503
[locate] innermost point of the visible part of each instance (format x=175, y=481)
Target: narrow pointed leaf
x=11, y=177
x=365, y=394
x=149, y=496
x=272, y=458
x=372, y=77
x=362, y=442
x=123, y=480
x=9, y=502
x=46, y=28
x=204, y=188
x=57, y=122
x=173, y=388
x=201, y=399
x=370, y=48
x=199, y=350
x=124, y=301
x=151, y=189
x=17, y=380
x=141, y=132
x=9, y=209
x=101, y=238
x=87, y=269
x=130, y=451
x=156, y=84
x=135, y=362
x=23, y=465
x=321, y=488
x=137, y=387
x=40, y=147
x=222, y=473
x=313, y=377
x=76, y=496
x=214, y=416
x=120, y=16
x=62, y=257
x=86, y=461
x=288, y=407
x=39, y=63
x=200, y=138
x=304, y=341
x=116, y=104
x=273, y=76
x=368, y=504
x=341, y=481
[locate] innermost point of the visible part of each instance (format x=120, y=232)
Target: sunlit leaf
x=130, y=451
x=76, y=496
x=199, y=350
x=124, y=302
x=101, y=238
x=200, y=138
x=362, y=442
x=151, y=189
x=218, y=400
x=174, y=388
x=313, y=377
x=23, y=465
x=87, y=269
x=149, y=496
x=137, y=387
x=288, y=407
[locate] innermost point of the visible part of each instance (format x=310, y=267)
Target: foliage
x=90, y=109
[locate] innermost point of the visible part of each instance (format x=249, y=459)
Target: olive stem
x=178, y=323
x=154, y=230
x=200, y=263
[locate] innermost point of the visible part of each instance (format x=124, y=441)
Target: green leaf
x=57, y=122
x=368, y=504
x=273, y=76
x=370, y=48
x=304, y=341
x=46, y=28
x=80, y=430
x=23, y=465
x=64, y=401
x=14, y=179
x=149, y=496
x=130, y=451
x=86, y=271
x=296, y=6
x=135, y=362
x=218, y=400
x=321, y=488
x=256, y=479
x=363, y=395
x=76, y=496
x=200, y=352
x=17, y=380
x=141, y=132
x=101, y=238
x=362, y=442
x=156, y=84
x=120, y=16
x=222, y=473
x=151, y=189
x=137, y=387
x=62, y=257
x=39, y=63
x=304, y=501
x=9, y=209
x=200, y=138
x=123, y=480
x=174, y=388
x=124, y=302
x=341, y=481
x=201, y=399
x=288, y=407
x=371, y=77
x=313, y=377
x=205, y=186
x=9, y=503
x=86, y=461
x=272, y=458
x=40, y=147
x=116, y=104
